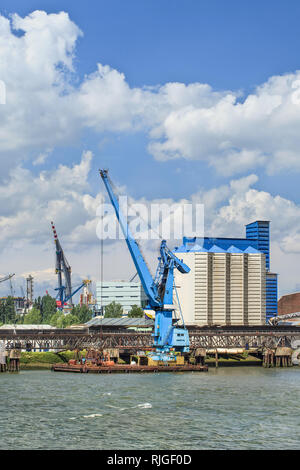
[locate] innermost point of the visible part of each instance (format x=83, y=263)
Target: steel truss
x=67, y=339
x=245, y=341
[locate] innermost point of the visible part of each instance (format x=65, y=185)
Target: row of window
x=120, y=296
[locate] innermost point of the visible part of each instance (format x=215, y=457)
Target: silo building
x=229, y=282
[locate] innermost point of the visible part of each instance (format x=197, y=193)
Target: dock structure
x=14, y=360
x=280, y=357
x=3, y=360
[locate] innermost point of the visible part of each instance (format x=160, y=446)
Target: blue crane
x=63, y=268
x=167, y=336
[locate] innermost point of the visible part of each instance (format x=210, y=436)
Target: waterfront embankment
x=45, y=360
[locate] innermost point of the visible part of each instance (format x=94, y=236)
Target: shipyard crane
x=6, y=278
x=63, y=269
x=168, y=337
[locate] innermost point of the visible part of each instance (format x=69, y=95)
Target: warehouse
x=230, y=280
x=289, y=303
x=124, y=293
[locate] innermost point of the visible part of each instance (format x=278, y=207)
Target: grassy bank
x=44, y=360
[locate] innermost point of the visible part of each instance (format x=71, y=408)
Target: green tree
x=83, y=313
x=48, y=307
x=7, y=310
x=66, y=320
x=38, y=303
x=60, y=320
x=2, y=311
x=136, y=312
x=33, y=317
x=113, y=310
x=54, y=319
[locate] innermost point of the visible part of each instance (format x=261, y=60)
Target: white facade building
x=223, y=287
x=125, y=293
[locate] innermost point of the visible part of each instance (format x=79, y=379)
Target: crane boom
x=62, y=267
x=134, y=249
x=158, y=290
x=6, y=278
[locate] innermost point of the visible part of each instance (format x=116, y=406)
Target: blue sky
x=232, y=46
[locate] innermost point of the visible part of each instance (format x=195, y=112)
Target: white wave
x=94, y=415
x=144, y=405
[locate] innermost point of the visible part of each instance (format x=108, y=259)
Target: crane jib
x=158, y=290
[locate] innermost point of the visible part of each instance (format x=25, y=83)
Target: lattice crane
x=63, y=270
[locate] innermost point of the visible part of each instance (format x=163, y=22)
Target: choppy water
x=231, y=408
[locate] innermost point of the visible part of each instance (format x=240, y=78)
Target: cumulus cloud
x=234, y=135
x=48, y=105
x=35, y=67
x=30, y=202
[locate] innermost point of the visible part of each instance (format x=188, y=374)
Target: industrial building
x=289, y=303
x=20, y=304
x=230, y=282
x=124, y=293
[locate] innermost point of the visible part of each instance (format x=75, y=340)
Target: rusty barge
x=126, y=368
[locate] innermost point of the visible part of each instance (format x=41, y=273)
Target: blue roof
x=250, y=249
x=234, y=249
x=180, y=249
x=216, y=249
x=198, y=248
x=209, y=242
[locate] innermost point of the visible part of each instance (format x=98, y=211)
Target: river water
x=228, y=408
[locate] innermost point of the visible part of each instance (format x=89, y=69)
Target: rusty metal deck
x=125, y=368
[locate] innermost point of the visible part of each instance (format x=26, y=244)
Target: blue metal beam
x=137, y=257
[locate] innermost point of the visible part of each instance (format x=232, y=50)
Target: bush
x=45, y=357
x=48, y=357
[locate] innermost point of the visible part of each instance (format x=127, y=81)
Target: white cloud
x=42, y=157
x=30, y=202
x=47, y=105
x=234, y=135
